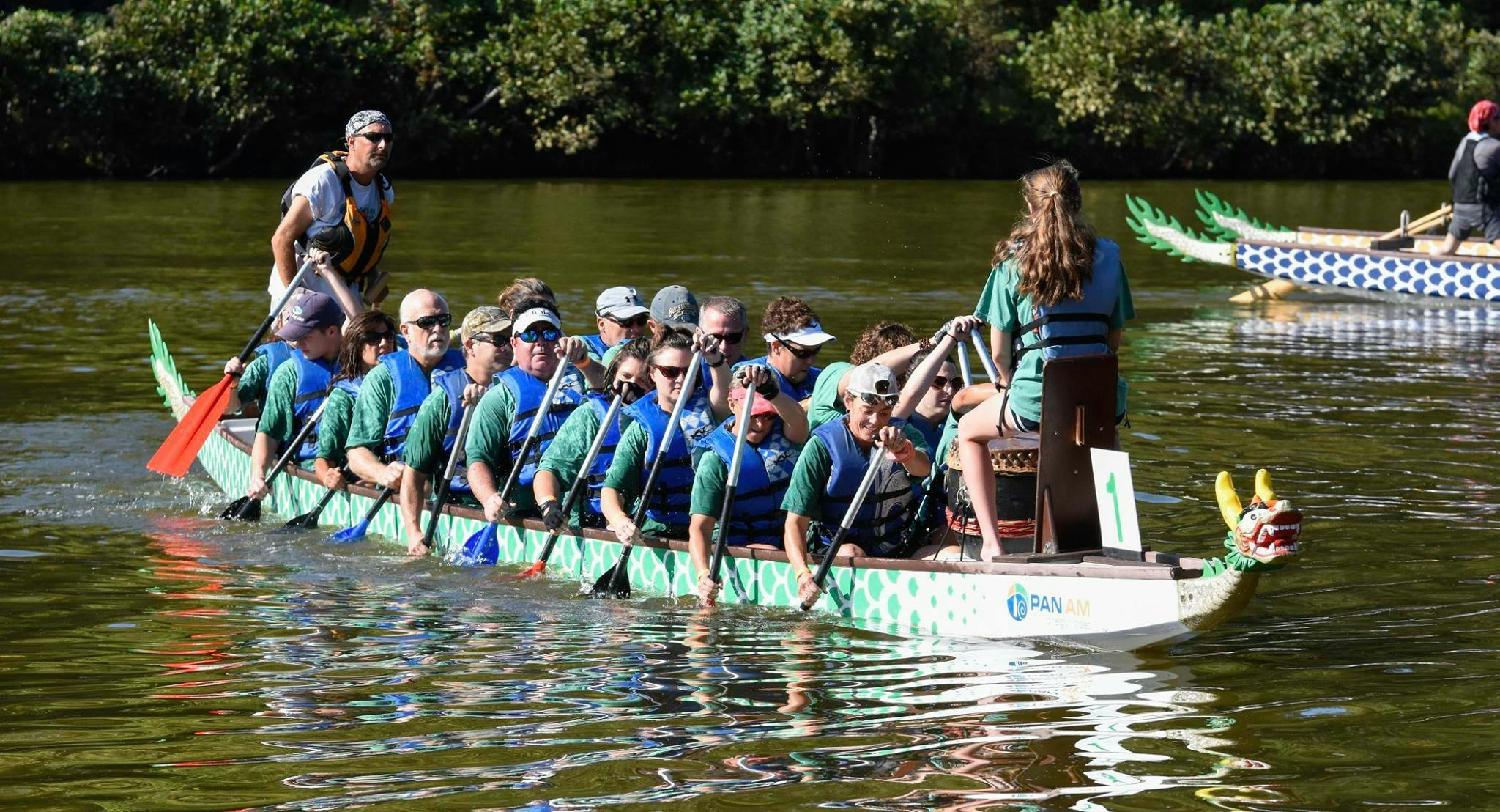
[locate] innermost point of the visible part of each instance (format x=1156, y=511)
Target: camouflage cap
x=484, y=319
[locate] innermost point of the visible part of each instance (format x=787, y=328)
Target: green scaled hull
x=1091, y=600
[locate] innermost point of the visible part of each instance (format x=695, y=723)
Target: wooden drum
x=1014, y=460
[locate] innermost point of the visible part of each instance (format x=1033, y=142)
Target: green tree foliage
x=828, y=87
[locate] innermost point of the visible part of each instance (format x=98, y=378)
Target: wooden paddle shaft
x=1429, y=219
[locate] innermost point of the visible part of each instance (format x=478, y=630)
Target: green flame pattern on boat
x=1229, y=222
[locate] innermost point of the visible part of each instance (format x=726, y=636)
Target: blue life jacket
x=596, y=344
x=276, y=353
x=528, y=392
x=765, y=471
x=593, y=510
x=671, y=499
x=312, y=389
x=350, y=385
x=1076, y=327
x=453, y=382
x=877, y=525
x=796, y=391
x=411, y=385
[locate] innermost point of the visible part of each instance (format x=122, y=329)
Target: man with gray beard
x=394, y=389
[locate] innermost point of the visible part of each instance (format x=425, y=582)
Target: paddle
x=176, y=454
x=963, y=364
x=309, y=520
x=440, y=493
x=247, y=509
x=613, y=582
x=580, y=484
x=484, y=545
x=358, y=531
x=872, y=468
x=986, y=359
x=731, y=490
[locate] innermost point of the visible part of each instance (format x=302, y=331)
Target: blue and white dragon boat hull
x=1325, y=258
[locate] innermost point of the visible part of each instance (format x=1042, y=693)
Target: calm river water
x=154, y=658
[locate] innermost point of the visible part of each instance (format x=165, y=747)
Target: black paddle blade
x=243, y=509
x=306, y=521
x=606, y=587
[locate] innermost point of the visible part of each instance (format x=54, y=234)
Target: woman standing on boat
x=671, y=356
x=1057, y=289
x=368, y=336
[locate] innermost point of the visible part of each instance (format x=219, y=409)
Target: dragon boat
x=1068, y=590
x=1400, y=263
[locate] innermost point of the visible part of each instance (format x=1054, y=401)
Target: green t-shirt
x=710, y=479
x=424, y=440
x=826, y=404
x=276, y=418
x=333, y=429
x=1001, y=306
x=564, y=457
x=625, y=472
x=253, y=381
x=372, y=409
x=804, y=493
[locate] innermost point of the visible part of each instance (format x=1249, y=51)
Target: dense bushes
x=828, y=87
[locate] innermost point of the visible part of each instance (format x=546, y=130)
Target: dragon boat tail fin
x=1229, y=501
x=1165, y=233
x=1230, y=222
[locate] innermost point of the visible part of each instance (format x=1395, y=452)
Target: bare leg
x=975, y=430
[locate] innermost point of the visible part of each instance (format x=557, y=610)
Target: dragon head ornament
x=1262, y=533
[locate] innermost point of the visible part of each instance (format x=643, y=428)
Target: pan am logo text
x=1021, y=603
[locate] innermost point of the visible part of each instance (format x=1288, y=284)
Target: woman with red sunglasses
x=667, y=511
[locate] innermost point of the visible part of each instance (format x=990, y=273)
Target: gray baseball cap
x=675, y=306
x=873, y=379
x=620, y=303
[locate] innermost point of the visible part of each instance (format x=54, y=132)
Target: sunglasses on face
x=532, y=335
x=376, y=338
x=730, y=338
x=376, y=138
x=631, y=390
x=633, y=321
x=437, y=320
x=489, y=338
x=951, y=384
x=801, y=352
x=670, y=373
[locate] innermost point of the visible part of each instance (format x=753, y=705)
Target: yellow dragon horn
x=1229, y=501
x=1263, y=486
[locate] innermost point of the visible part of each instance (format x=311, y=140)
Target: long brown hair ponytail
x=1053, y=243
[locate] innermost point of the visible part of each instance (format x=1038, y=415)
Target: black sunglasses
x=954, y=384
x=376, y=338
x=638, y=320
x=801, y=352
x=730, y=338
x=491, y=338
x=376, y=138
x=436, y=320
x=880, y=402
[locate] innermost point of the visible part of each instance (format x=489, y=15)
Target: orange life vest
x=356, y=243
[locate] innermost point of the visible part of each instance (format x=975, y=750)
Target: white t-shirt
x=325, y=196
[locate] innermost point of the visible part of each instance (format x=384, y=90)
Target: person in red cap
x=778, y=428
x=313, y=326
x=1475, y=175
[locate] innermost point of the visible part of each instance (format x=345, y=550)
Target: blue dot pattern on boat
x=1453, y=277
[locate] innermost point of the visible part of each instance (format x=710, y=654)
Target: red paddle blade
x=178, y=451
x=533, y=570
